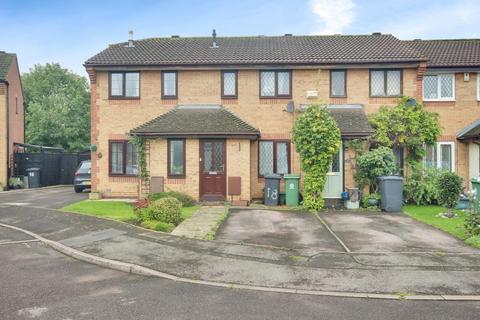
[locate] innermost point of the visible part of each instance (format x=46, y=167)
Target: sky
x=71, y=31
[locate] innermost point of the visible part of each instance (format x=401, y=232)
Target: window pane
x=398, y=153
x=283, y=83
x=176, y=157
x=116, y=157
x=116, y=84
x=446, y=86
x=169, y=84
x=282, y=158
x=229, y=83
x=338, y=83
x=265, y=154
x=377, y=83
x=430, y=87
x=131, y=166
x=218, y=156
x=446, y=156
x=207, y=153
x=267, y=84
x=393, y=82
x=430, y=157
x=336, y=162
x=132, y=84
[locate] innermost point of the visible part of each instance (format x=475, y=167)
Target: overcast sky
x=70, y=31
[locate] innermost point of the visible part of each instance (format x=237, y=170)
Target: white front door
x=334, y=182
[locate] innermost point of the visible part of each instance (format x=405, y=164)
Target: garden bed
x=121, y=211
x=454, y=226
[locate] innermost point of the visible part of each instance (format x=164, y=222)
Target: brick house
x=11, y=113
x=218, y=112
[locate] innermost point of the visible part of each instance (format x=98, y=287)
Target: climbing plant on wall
x=316, y=138
x=139, y=143
x=408, y=124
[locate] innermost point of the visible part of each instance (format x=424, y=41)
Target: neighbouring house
x=11, y=113
x=217, y=113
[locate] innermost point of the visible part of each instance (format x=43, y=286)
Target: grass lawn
x=454, y=226
x=121, y=211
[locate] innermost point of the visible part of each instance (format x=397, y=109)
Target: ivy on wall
x=316, y=138
x=139, y=143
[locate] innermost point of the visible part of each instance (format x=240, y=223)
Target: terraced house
x=218, y=112
x=11, y=113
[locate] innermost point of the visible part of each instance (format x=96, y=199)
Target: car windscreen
x=84, y=166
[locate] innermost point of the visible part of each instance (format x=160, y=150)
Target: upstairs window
x=338, y=83
x=441, y=155
x=273, y=157
x=275, y=84
x=123, y=158
x=478, y=86
x=125, y=85
x=169, y=85
x=385, y=83
x=229, y=84
x=439, y=87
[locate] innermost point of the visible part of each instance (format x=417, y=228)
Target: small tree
x=373, y=164
x=316, y=138
x=449, y=187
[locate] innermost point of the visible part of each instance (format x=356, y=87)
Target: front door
x=212, y=170
x=334, y=180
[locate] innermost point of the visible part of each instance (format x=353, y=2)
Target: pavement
x=40, y=283
x=335, y=270
x=201, y=223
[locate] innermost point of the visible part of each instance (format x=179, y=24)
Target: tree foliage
x=57, y=107
x=316, y=138
x=373, y=164
x=406, y=125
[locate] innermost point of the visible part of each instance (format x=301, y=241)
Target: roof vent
x=214, y=39
x=418, y=39
x=176, y=36
x=130, y=39
x=376, y=34
x=288, y=34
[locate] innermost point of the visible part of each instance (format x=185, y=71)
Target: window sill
x=180, y=176
x=388, y=97
x=439, y=100
x=229, y=97
x=276, y=97
x=123, y=175
x=169, y=97
x=123, y=98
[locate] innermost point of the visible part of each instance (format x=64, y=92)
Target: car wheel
x=78, y=190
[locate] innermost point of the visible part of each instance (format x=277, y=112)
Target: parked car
x=83, y=177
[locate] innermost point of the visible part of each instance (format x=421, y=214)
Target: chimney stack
x=130, y=39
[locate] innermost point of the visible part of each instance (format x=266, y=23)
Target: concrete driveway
x=51, y=197
x=361, y=233
x=277, y=228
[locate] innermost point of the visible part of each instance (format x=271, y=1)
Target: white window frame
x=478, y=86
x=439, y=89
x=439, y=154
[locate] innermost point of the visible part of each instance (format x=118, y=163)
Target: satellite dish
x=290, y=107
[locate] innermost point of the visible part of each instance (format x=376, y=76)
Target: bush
x=158, y=225
x=364, y=202
x=420, y=188
x=167, y=210
x=472, y=223
x=373, y=164
x=449, y=187
x=185, y=199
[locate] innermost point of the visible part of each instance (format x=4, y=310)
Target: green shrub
x=472, y=223
x=185, y=199
x=167, y=210
x=373, y=164
x=449, y=187
x=364, y=202
x=420, y=188
x=158, y=225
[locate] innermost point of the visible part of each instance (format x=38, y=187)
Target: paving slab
x=201, y=223
x=384, y=232
x=277, y=228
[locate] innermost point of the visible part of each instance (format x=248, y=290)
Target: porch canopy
x=470, y=132
x=351, y=120
x=212, y=121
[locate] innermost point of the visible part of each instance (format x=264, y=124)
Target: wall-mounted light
x=466, y=76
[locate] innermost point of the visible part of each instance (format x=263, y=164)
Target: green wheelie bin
x=476, y=190
x=291, y=189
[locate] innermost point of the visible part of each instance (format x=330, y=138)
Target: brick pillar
x=419, y=80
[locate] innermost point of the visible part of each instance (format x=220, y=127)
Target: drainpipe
x=8, y=127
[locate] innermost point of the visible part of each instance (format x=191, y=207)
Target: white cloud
x=334, y=15
x=442, y=20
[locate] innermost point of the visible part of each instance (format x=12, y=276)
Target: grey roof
x=449, y=53
x=5, y=63
x=345, y=49
x=197, y=120
x=351, y=120
x=472, y=131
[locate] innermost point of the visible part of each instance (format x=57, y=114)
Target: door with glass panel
x=212, y=170
x=334, y=180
